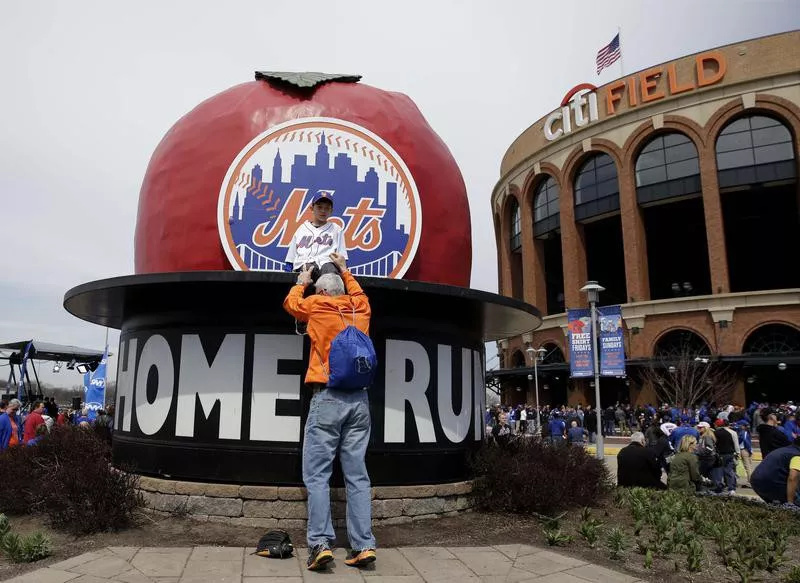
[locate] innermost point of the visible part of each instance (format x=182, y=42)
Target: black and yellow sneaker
x=318, y=557
x=360, y=558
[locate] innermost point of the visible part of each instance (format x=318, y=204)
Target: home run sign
x=267, y=192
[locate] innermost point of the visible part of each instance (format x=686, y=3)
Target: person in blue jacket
x=11, y=425
x=790, y=427
x=745, y=448
x=557, y=429
x=679, y=432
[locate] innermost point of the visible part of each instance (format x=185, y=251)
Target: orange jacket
x=326, y=317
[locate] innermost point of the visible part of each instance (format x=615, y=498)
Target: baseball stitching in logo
x=267, y=192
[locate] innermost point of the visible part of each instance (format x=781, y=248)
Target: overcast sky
x=89, y=89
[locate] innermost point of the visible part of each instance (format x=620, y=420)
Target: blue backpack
x=352, y=361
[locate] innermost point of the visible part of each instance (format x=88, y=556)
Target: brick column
x=634, y=239
x=573, y=251
x=715, y=228
x=504, y=255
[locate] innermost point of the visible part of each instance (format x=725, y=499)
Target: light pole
x=535, y=355
x=593, y=289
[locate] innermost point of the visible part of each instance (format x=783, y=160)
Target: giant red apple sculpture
x=232, y=180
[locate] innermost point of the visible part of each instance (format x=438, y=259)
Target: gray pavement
x=502, y=563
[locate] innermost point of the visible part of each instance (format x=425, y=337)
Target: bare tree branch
x=686, y=378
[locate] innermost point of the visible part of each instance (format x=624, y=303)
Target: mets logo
x=266, y=196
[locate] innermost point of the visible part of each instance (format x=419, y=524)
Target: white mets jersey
x=312, y=244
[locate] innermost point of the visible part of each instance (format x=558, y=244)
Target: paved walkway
x=504, y=563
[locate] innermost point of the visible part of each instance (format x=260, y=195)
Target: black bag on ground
x=276, y=544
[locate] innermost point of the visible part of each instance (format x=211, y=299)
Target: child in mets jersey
x=315, y=240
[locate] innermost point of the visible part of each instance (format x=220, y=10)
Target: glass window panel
x=737, y=159
x=675, y=139
x=762, y=121
x=683, y=169
x=606, y=173
x=607, y=188
x=651, y=176
x=546, y=199
x=603, y=160
x=731, y=142
x=680, y=153
x=650, y=159
x=740, y=125
x=586, y=194
x=516, y=222
x=773, y=153
x=773, y=135
x=654, y=144
x=583, y=179
x=596, y=178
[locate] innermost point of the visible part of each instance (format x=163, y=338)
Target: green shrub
x=616, y=543
x=69, y=478
x=749, y=540
x=22, y=549
x=793, y=576
x=528, y=476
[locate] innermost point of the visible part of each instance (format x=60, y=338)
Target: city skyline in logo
x=268, y=191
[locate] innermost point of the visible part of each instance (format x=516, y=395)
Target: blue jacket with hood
x=5, y=431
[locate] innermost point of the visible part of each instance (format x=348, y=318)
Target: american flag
x=608, y=54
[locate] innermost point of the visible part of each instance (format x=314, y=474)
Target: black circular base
x=210, y=377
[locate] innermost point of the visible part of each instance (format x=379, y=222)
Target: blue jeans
x=338, y=420
x=724, y=476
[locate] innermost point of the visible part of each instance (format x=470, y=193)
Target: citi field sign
x=581, y=105
x=267, y=193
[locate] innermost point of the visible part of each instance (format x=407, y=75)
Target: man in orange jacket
x=338, y=420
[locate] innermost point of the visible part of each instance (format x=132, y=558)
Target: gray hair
x=331, y=283
x=638, y=437
x=16, y=403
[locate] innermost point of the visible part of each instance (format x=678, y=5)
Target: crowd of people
x=27, y=425
x=707, y=448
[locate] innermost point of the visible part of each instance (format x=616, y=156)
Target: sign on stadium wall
x=582, y=105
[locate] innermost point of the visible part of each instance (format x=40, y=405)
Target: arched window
x=545, y=207
x=755, y=149
x=554, y=354
x=773, y=339
x=596, y=187
x=681, y=344
x=516, y=226
x=517, y=359
x=667, y=167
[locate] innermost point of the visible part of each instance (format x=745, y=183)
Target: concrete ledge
x=285, y=507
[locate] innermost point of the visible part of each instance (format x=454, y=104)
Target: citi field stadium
x=676, y=189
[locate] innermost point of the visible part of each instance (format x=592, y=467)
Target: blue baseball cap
x=322, y=195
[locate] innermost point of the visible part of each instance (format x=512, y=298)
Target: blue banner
x=23, y=371
x=94, y=386
x=611, y=343
x=581, y=356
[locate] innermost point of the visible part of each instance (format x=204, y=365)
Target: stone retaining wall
x=285, y=507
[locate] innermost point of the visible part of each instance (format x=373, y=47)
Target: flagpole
x=621, y=61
